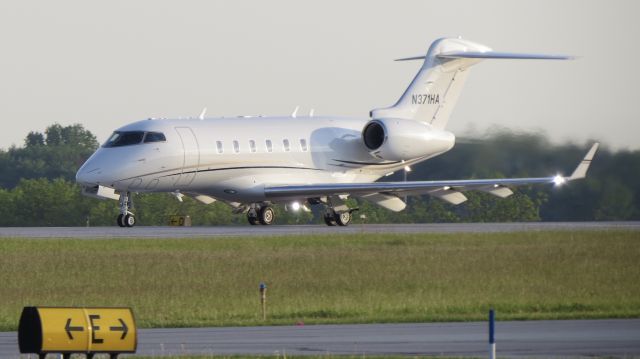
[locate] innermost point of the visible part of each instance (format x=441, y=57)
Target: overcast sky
x=105, y=64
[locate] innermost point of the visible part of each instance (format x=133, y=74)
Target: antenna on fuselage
x=295, y=112
x=204, y=111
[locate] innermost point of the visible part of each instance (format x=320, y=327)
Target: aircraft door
x=191, y=156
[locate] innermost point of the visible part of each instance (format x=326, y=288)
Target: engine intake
x=399, y=139
x=373, y=135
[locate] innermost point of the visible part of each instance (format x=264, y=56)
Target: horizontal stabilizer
x=501, y=55
x=492, y=55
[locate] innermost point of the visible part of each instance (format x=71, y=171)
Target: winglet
x=583, y=166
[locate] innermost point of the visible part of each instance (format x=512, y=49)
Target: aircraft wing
x=440, y=188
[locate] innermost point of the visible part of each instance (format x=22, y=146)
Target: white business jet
x=252, y=162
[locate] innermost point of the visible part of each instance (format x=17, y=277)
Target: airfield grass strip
x=360, y=278
x=326, y=356
x=332, y=356
x=286, y=356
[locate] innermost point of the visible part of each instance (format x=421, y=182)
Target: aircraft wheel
x=266, y=216
x=253, y=220
x=120, y=220
x=129, y=220
x=343, y=219
x=329, y=219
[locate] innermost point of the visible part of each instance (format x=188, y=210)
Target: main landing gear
x=336, y=210
x=332, y=218
x=264, y=215
x=126, y=218
x=334, y=215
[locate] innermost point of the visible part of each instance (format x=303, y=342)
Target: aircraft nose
x=87, y=175
x=101, y=168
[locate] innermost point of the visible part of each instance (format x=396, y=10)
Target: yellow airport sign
x=181, y=221
x=77, y=330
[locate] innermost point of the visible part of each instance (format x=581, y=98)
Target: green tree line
x=37, y=186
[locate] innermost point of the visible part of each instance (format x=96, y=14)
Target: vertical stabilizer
x=434, y=91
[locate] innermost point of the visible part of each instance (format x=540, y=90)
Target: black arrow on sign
x=68, y=328
x=124, y=329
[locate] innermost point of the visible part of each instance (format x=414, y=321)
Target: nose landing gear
x=126, y=218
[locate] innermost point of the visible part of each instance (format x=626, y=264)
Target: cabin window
x=252, y=145
x=303, y=145
x=219, y=146
x=269, y=145
x=236, y=146
x=285, y=143
x=154, y=137
x=128, y=138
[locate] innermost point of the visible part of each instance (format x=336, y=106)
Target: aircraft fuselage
x=234, y=158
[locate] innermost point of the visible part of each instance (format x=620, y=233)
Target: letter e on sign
x=113, y=329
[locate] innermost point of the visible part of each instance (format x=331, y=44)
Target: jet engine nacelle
x=398, y=139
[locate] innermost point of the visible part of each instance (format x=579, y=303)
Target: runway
x=563, y=338
x=280, y=230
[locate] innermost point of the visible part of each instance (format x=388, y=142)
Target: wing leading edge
x=492, y=55
x=497, y=186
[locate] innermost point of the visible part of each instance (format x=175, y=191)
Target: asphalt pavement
x=279, y=230
x=541, y=339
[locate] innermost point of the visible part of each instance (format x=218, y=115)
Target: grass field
x=319, y=357
x=328, y=356
x=336, y=279
x=284, y=356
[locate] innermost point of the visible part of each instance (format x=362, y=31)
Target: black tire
x=266, y=216
x=129, y=220
x=253, y=220
x=329, y=220
x=343, y=219
x=120, y=220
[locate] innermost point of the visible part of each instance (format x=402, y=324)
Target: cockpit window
x=127, y=138
x=154, y=137
x=119, y=139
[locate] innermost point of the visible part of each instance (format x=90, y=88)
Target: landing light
x=295, y=206
x=559, y=180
